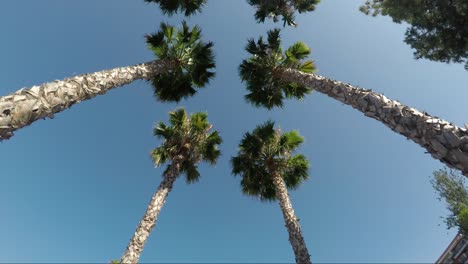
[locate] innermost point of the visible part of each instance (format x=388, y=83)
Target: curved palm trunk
x=292, y=224
x=137, y=243
x=25, y=106
x=443, y=140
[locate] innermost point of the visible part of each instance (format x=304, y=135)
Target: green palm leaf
x=307, y=67
x=296, y=171
x=178, y=118
x=194, y=60
x=191, y=172
x=290, y=140
x=188, y=7
x=265, y=86
x=265, y=151
x=298, y=51
x=284, y=9
x=189, y=138
x=274, y=40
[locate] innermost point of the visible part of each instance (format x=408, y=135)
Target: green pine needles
x=437, y=31
x=193, y=57
x=267, y=151
x=261, y=70
x=187, y=138
x=451, y=188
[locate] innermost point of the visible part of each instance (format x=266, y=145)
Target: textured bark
x=137, y=243
x=443, y=140
x=25, y=106
x=292, y=224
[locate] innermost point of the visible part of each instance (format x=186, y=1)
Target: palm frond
x=298, y=51
x=173, y=86
x=199, y=122
x=251, y=47
x=266, y=131
x=264, y=152
x=159, y=156
x=284, y=9
x=265, y=87
x=163, y=131
x=297, y=171
x=194, y=60
x=210, y=150
x=274, y=40
x=295, y=91
x=191, y=172
x=188, y=140
x=251, y=145
x=177, y=118
x=188, y=7
x=291, y=140
x=307, y=67
x=203, y=61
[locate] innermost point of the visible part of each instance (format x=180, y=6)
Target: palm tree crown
x=265, y=87
x=170, y=7
x=188, y=140
x=284, y=8
x=265, y=152
x=193, y=57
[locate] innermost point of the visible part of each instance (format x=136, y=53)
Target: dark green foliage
x=187, y=138
x=193, y=57
x=462, y=219
x=264, y=152
x=451, y=188
x=281, y=8
x=438, y=28
x=265, y=87
x=170, y=7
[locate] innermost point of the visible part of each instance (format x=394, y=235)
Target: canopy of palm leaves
x=170, y=7
x=193, y=57
x=281, y=8
x=266, y=151
x=265, y=87
x=188, y=139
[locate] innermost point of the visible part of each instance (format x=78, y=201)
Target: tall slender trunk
x=443, y=140
x=137, y=243
x=25, y=106
x=292, y=224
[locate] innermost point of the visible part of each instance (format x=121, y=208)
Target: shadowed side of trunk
x=292, y=224
x=25, y=106
x=135, y=247
x=443, y=140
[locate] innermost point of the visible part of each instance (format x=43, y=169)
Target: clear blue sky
x=74, y=188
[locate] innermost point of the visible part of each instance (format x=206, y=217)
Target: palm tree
x=284, y=8
x=188, y=7
x=267, y=167
x=272, y=76
x=184, y=64
x=186, y=142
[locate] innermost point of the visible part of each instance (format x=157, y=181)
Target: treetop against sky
x=81, y=181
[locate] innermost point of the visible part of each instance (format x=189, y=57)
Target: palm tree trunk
x=292, y=224
x=443, y=140
x=25, y=106
x=137, y=243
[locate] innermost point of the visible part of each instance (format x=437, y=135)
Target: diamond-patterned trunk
x=443, y=140
x=25, y=106
x=135, y=247
x=292, y=224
